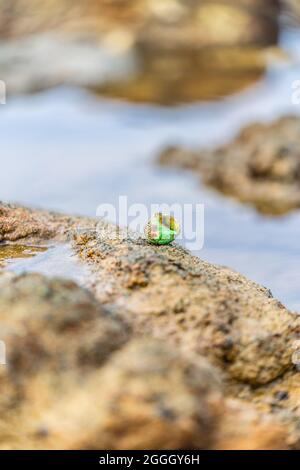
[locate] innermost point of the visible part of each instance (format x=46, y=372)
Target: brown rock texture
x=212, y=311
x=260, y=167
x=291, y=12
x=77, y=379
x=161, y=350
x=171, y=77
x=18, y=223
x=146, y=396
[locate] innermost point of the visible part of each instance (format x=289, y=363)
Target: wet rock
x=260, y=167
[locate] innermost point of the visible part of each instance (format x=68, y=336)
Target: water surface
x=66, y=150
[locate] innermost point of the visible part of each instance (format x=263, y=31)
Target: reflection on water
x=65, y=150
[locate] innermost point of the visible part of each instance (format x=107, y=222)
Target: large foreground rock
x=165, y=343
x=76, y=378
x=57, y=339
x=212, y=311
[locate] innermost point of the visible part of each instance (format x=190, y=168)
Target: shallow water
x=65, y=150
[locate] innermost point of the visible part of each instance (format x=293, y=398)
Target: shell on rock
x=162, y=229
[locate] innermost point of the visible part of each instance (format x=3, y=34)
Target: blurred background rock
x=161, y=51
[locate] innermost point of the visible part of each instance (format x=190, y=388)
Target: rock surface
x=19, y=223
x=165, y=343
x=260, y=167
x=212, y=311
x=64, y=387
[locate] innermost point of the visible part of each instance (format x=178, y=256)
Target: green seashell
x=162, y=229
